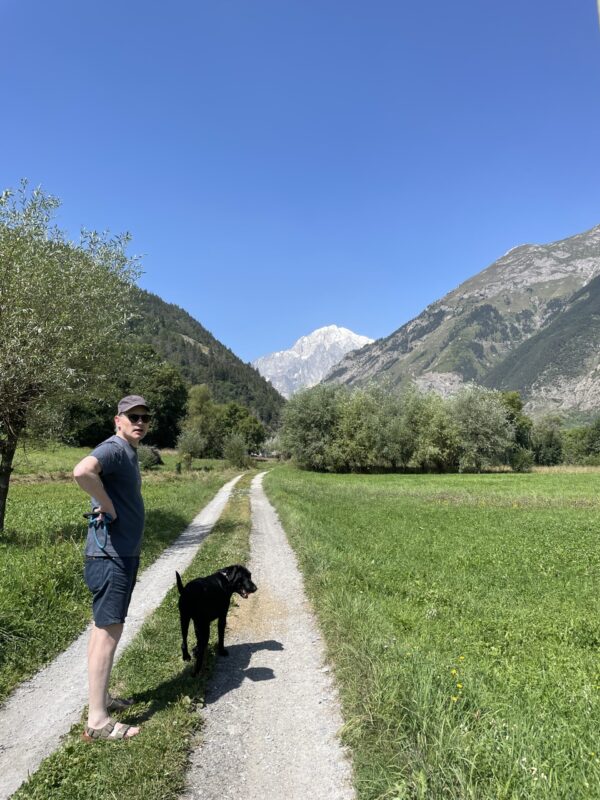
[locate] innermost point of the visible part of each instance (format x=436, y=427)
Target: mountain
x=559, y=368
x=309, y=359
x=182, y=341
x=529, y=321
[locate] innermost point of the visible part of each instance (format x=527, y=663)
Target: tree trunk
x=7, y=452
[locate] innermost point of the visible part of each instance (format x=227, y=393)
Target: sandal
x=93, y=734
x=119, y=703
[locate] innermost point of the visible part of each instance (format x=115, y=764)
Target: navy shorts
x=111, y=582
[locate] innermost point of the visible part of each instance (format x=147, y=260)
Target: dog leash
x=97, y=524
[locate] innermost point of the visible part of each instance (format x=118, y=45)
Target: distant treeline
x=336, y=429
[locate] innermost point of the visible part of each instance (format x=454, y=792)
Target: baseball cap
x=131, y=401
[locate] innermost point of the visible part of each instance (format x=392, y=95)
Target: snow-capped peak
x=309, y=359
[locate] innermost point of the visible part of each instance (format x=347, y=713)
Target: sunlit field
x=462, y=614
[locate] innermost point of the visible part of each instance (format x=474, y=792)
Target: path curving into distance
x=41, y=710
x=272, y=714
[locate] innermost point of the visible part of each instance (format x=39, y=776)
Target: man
x=111, y=476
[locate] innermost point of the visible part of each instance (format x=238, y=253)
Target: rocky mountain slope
x=510, y=326
x=309, y=359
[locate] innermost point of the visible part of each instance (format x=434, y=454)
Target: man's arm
x=87, y=475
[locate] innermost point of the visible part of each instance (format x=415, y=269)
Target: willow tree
x=64, y=307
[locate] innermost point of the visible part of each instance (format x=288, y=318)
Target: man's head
x=133, y=418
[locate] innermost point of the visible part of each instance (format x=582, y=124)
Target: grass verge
x=167, y=698
x=462, y=614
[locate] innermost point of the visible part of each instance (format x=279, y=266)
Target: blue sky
x=288, y=164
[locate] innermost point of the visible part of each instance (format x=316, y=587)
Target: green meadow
x=462, y=616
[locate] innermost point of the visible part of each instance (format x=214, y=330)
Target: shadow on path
x=232, y=671
x=225, y=675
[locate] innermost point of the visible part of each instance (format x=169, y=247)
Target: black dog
x=205, y=599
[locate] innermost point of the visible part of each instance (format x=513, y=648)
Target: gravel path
x=43, y=709
x=272, y=715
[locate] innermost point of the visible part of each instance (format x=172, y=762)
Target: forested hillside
x=182, y=341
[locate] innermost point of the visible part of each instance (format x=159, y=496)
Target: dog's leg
x=202, y=635
x=184, y=618
x=222, y=623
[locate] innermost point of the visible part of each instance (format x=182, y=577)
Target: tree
x=354, y=445
x=138, y=369
x=163, y=386
x=308, y=424
x=546, y=440
x=521, y=422
x=214, y=423
x=63, y=314
x=438, y=441
x=591, y=440
x=574, y=445
x=520, y=455
x=484, y=430
x=204, y=422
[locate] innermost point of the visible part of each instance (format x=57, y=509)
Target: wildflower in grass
x=459, y=685
x=454, y=698
x=461, y=658
x=453, y=672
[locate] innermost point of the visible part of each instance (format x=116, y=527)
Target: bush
x=148, y=457
x=191, y=444
x=521, y=459
x=235, y=451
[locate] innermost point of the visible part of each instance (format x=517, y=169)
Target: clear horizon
x=282, y=167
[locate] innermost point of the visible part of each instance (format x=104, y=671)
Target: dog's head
x=239, y=579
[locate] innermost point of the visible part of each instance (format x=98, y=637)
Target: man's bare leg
x=101, y=652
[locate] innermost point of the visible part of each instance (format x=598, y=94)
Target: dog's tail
x=179, y=583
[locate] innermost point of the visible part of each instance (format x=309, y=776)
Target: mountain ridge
x=466, y=334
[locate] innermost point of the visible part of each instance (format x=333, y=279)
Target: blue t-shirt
x=120, y=475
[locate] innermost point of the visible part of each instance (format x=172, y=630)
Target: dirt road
x=272, y=715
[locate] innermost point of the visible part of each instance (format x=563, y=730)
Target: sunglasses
x=145, y=418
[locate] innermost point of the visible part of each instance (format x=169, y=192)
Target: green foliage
x=208, y=425
x=591, y=439
x=163, y=386
x=484, y=431
x=546, y=440
x=309, y=421
x=438, y=443
x=202, y=359
x=148, y=457
x=63, y=314
x=574, y=445
x=137, y=369
x=521, y=459
x=191, y=443
x=235, y=451
x=335, y=429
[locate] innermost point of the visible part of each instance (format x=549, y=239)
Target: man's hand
x=102, y=515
